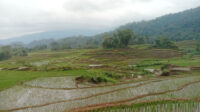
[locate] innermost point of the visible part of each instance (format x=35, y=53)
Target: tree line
x=120, y=38
x=8, y=51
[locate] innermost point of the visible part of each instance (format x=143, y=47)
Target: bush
x=198, y=47
x=165, y=70
x=99, y=77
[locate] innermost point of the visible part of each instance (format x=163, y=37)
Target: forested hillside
x=180, y=26
x=176, y=27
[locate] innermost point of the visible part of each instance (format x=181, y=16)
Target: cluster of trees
x=164, y=43
x=119, y=39
x=122, y=38
x=76, y=42
x=198, y=47
x=38, y=48
x=58, y=46
x=7, y=52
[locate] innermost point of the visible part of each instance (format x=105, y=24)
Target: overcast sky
x=20, y=17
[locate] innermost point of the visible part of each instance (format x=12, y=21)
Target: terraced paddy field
x=100, y=80
x=45, y=98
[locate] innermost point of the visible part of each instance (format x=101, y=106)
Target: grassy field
x=12, y=78
x=76, y=62
x=101, y=76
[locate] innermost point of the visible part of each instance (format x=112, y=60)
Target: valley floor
x=47, y=81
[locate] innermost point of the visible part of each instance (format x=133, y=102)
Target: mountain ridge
x=183, y=25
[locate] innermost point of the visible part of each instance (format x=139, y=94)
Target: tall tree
x=198, y=47
x=165, y=43
x=119, y=39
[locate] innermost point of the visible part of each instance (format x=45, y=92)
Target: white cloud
x=19, y=17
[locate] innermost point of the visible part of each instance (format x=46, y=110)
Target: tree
x=119, y=39
x=5, y=52
x=39, y=47
x=55, y=46
x=124, y=37
x=165, y=43
x=20, y=51
x=107, y=42
x=198, y=47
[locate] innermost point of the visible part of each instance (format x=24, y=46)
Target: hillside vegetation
x=180, y=26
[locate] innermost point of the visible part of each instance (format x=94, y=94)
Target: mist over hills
x=49, y=35
x=179, y=26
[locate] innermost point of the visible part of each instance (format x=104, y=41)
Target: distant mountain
x=179, y=26
x=49, y=35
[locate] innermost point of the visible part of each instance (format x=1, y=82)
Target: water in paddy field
x=40, y=63
x=54, y=82
x=54, y=93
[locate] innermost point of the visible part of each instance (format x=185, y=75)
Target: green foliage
x=164, y=43
x=99, y=77
x=165, y=69
x=39, y=48
x=5, y=52
x=198, y=47
x=119, y=39
x=177, y=27
x=19, y=51
x=57, y=46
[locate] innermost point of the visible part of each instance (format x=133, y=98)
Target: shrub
x=165, y=70
x=98, y=77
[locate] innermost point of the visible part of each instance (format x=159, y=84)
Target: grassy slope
x=116, y=61
x=188, y=44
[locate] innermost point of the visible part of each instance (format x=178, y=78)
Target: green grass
x=101, y=77
x=116, y=61
x=11, y=78
x=187, y=44
x=169, y=106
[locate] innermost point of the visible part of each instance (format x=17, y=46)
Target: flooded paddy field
x=60, y=97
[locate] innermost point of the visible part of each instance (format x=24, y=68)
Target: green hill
x=179, y=26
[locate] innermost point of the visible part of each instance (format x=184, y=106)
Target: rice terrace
x=146, y=66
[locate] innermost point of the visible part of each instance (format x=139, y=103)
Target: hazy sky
x=19, y=17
